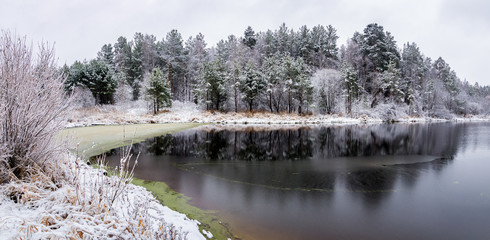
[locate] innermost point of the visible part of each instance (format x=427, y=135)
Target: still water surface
x=388, y=181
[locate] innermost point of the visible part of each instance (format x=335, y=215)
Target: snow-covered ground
x=136, y=112
x=88, y=205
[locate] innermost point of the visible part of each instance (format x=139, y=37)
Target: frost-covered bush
x=473, y=108
x=123, y=93
x=385, y=111
x=137, y=107
x=328, y=88
x=440, y=112
x=31, y=102
x=390, y=111
x=361, y=107
x=82, y=97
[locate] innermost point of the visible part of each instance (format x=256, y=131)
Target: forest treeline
x=282, y=70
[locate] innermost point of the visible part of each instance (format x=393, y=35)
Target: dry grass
x=87, y=205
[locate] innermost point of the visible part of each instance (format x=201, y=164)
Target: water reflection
x=259, y=144
x=310, y=182
x=368, y=158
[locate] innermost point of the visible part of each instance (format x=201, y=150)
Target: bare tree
x=328, y=88
x=31, y=102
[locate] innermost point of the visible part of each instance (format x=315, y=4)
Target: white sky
x=456, y=30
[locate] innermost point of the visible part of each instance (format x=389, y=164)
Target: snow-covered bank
x=188, y=112
x=88, y=205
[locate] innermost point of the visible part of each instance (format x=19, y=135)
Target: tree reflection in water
x=311, y=158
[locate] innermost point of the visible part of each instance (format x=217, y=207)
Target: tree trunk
x=154, y=106
x=373, y=103
x=207, y=100
x=349, y=101
x=270, y=100
x=236, y=101
x=300, y=104
x=170, y=81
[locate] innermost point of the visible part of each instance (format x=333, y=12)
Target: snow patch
x=78, y=209
x=207, y=234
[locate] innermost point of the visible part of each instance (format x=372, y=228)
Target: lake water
x=387, y=181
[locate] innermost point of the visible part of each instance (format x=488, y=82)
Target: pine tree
x=374, y=47
x=269, y=46
x=429, y=97
x=97, y=76
x=137, y=65
x=295, y=72
x=272, y=70
x=124, y=63
x=252, y=84
x=213, y=89
x=304, y=91
x=442, y=72
x=378, y=47
x=106, y=54
x=101, y=82
x=235, y=55
x=249, y=38
x=351, y=85
x=414, y=74
x=235, y=78
x=74, y=74
x=197, y=55
x=303, y=44
x=158, y=90
x=324, y=49
x=392, y=53
x=282, y=40
x=391, y=82
x=331, y=49
x=173, y=55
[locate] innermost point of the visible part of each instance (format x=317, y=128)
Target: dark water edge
x=386, y=181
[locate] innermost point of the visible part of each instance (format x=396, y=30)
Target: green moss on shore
x=95, y=140
x=178, y=202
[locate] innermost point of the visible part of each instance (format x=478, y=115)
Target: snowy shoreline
x=79, y=209
x=189, y=113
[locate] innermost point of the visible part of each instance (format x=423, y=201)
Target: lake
x=382, y=181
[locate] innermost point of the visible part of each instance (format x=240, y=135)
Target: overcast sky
x=458, y=31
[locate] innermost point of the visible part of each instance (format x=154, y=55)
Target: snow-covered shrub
x=123, y=93
x=137, y=107
x=189, y=107
x=440, y=112
x=361, y=107
x=31, y=101
x=390, y=111
x=473, y=108
x=328, y=87
x=82, y=97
